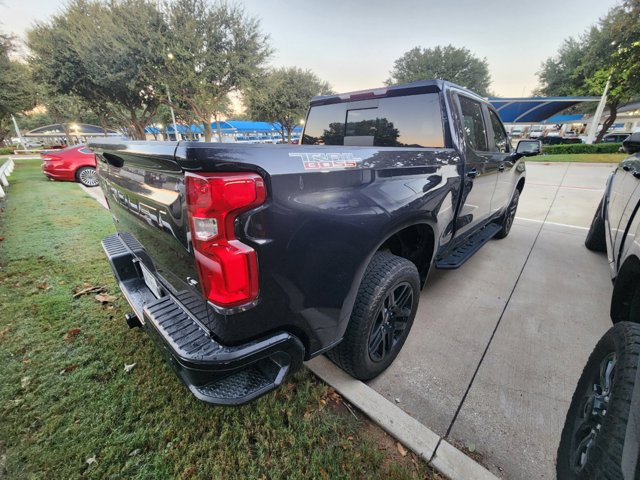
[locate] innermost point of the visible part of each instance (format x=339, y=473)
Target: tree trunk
x=137, y=130
x=613, y=113
x=283, y=133
x=218, y=128
x=208, y=133
x=289, y=128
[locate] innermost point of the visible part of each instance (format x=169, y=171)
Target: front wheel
x=595, y=430
x=596, y=237
x=509, y=216
x=87, y=176
x=382, y=316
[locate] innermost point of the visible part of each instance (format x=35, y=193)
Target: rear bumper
x=57, y=174
x=214, y=373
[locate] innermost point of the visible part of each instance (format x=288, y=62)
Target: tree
x=450, y=63
x=282, y=97
x=106, y=53
x=610, y=51
x=17, y=92
x=212, y=51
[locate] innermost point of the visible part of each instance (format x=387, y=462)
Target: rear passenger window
x=500, y=142
x=408, y=121
x=473, y=124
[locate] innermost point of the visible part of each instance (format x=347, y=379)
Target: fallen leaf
x=105, y=298
x=324, y=474
x=43, y=286
x=1, y=239
x=25, y=381
x=91, y=460
x=73, y=332
x=134, y=452
x=472, y=447
x=401, y=449
x=128, y=368
x=88, y=290
x=4, y=331
x=68, y=369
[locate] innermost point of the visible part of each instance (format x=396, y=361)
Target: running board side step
x=464, y=251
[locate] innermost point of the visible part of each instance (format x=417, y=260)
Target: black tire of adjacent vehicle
x=596, y=240
x=605, y=458
x=509, y=216
x=384, y=273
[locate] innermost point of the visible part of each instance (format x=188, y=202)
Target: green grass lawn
x=65, y=396
x=580, y=157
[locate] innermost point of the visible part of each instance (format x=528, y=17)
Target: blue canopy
x=578, y=118
x=227, y=126
x=534, y=109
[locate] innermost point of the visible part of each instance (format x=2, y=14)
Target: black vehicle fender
x=625, y=288
x=424, y=269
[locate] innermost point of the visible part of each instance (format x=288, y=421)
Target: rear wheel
x=382, y=317
x=87, y=176
x=596, y=240
x=594, y=432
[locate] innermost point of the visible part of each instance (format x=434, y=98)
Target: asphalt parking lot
x=498, y=345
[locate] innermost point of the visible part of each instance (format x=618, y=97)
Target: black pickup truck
x=244, y=260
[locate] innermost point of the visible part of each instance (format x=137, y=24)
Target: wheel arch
x=414, y=242
x=625, y=288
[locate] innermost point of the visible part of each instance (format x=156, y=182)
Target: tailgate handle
x=473, y=173
x=501, y=167
x=114, y=160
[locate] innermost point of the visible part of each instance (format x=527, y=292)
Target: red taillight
x=228, y=268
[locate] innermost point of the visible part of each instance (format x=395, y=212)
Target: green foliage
x=608, y=50
x=457, y=65
x=6, y=150
x=212, y=51
x=581, y=148
x=283, y=95
x=106, y=53
x=17, y=91
x=65, y=396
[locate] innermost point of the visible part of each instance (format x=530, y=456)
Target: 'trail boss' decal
x=324, y=161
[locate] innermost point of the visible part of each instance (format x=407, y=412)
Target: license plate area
x=151, y=281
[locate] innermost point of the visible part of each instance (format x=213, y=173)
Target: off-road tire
x=87, y=176
x=385, y=273
x=596, y=240
x=605, y=456
x=509, y=216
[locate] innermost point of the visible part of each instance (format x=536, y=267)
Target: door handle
x=473, y=173
x=501, y=167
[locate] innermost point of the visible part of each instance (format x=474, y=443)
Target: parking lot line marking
x=600, y=189
x=552, y=223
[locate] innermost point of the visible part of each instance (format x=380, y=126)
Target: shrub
x=581, y=148
x=6, y=150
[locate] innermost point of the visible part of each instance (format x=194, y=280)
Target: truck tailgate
x=144, y=186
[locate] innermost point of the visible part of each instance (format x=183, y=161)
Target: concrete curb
x=448, y=460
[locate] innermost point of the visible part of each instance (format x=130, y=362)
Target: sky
x=352, y=44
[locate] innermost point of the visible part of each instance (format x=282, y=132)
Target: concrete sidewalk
x=498, y=345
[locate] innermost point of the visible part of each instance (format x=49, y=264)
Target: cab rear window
x=407, y=121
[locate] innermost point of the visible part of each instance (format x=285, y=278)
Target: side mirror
x=632, y=143
x=528, y=148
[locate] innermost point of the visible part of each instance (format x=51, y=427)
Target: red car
x=72, y=164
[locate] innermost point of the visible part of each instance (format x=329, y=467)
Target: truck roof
x=421, y=86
